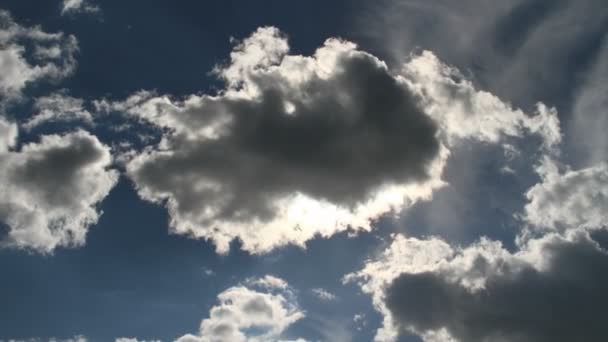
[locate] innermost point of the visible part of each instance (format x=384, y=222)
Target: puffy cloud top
x=258, y=312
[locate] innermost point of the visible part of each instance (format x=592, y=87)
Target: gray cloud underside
x=563, y=302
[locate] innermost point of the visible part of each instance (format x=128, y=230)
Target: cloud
x=296, y=147
x=28, y=54
x=49, y=189
x=249, y=313
x=549, y=290
x=268, y=282
x=292, y=148
x=323, y=294
x=465, y=113
x=78, y=338
x=574, y=198
x=58, y=107
x=78, y=6
x=8, y=134
x=513, y=48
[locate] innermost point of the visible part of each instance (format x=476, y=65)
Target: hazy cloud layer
x=513, y=48
x=50, y=189
x=258, y=312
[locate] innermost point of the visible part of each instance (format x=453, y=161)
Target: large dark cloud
x=349, y=134
x=335, y=127
x=565, y=301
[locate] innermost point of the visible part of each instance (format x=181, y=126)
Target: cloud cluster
x=50, y=188
x=258, y=312
x=549, y=290
x=293, y=147
x=28, y=54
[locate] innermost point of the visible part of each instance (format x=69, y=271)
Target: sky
x=265, y=171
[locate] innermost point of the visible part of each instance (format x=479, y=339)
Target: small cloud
x=208, y=272
x=247, y=314
x=78, y=6
x=360, y=321
x=323, y=294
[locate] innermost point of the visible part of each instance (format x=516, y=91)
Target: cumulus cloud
x=549, y=290
x=50, y=189
x=28, y=54
x=78, y=6
x=294, y=147
x=464, y=112
x=573, y=198
x=250, y=313
x=58, y=107
x=301, y=146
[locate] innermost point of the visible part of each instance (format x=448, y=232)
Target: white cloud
x=52, y=57
x=50, y=189
x=246, y=314
x=323, y=294
x=78, y=6
x=58, y=107
x=466, y=113
x=573, y=198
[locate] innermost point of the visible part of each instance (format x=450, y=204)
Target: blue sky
x=397, y=170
